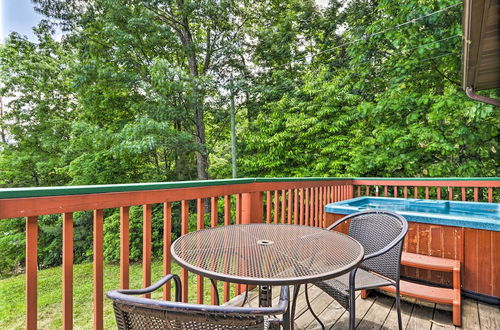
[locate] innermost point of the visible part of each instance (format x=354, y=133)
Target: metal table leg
x=311, y=310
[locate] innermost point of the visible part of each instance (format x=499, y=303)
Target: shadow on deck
x=378, y=311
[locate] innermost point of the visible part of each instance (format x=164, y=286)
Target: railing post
x=31, y=272
x=252, y=208
x=252, y=211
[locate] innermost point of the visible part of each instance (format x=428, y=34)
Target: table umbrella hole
x=265, y=242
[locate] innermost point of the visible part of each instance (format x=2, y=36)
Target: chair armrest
x=155, y=286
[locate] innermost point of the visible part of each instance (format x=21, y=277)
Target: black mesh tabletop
x=267, y=254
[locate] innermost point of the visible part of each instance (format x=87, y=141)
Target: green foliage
x=35, y=79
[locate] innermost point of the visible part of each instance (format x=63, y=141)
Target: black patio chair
x=142, y=313
x=381, y=233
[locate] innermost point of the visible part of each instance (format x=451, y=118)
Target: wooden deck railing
x=293, y=201
x=470, y=189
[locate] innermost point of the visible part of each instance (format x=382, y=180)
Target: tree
x=39, y=110
x=193, y=44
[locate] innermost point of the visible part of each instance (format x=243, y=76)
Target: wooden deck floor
x=378, y=312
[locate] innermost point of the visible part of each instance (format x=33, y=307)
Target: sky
x=19, y=16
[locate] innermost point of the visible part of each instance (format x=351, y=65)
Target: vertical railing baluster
x=184, y=231
x=296, y=206
x=376, y=191
x=283, y=206
x=367, y=190
x=67, y=270
x=395, y=193
x=269, y=203
x=438, y=193
x=214, y=217
x=238, y=209
x=490, y=195
x=327, y=201
x=276, y=199
x=314, y=210
x=227, y=222
x=426, y=192
x=385, y=191
x=359, y=191
x=415, y=192
x=31, y=271
x=146, y=246
x=290, y=198
x=301, y=208
x=200, y=224
x=167, y=241
x=476, y=194
x=124, y=247
x=98, y=270
x=321, y=206
x=464, y=196
x=306, y=206
x=450, y=193
x=405, y=191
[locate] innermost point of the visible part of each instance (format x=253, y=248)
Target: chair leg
x=398, y=308
x=352, y=313
x=287, y=320
x=352, y=301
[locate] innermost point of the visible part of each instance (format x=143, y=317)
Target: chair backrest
x=131, y=316
x=140, y=313
x=376, y=230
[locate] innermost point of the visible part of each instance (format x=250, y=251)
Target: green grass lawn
x=12, y=295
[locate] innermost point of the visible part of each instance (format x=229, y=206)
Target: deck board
x=391, y=322
x=470, y=316
x=377, y=314
x=378, y=311
x=489, y=316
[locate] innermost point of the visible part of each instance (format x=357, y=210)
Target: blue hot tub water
x=449, y=213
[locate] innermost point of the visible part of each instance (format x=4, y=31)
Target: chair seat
x=338, y=288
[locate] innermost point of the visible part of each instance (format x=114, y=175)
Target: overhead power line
x=368, y=36
x=413, y=48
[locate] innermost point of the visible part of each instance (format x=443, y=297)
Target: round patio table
x=267, y=254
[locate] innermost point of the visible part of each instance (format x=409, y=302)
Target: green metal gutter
x=95, y=189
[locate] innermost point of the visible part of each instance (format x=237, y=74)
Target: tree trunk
x=199, y=120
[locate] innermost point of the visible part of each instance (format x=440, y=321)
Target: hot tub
x=466, y=231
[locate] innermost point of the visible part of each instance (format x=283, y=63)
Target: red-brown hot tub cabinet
x=477, y=249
